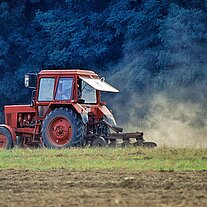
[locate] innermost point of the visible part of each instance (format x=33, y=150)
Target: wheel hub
x=60, y=131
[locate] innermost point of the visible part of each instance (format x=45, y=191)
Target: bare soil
x=65, y=188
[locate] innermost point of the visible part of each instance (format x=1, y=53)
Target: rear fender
x=10, y=130
x=77, y=107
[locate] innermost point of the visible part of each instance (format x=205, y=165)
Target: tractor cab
x=60, y=86
x=71, y=88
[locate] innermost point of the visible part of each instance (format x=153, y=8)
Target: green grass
x=127, y=159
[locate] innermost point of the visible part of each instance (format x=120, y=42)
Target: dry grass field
x=103, y=177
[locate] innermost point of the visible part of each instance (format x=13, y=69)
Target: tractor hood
x=99, y=84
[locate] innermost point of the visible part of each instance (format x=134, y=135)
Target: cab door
x=45, y=95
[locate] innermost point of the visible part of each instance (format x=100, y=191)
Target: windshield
x=64, y=89
x=46, y=89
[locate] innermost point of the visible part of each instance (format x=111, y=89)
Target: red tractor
x=66, y=110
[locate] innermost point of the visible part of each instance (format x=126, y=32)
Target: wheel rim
x=60, y=131
x=3, y=140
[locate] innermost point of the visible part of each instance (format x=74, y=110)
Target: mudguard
x=78, y=108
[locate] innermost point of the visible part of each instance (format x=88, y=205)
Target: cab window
x=64, y=89
x=86, y=94
x=46, y=89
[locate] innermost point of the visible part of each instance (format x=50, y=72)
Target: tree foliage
x=157, y=38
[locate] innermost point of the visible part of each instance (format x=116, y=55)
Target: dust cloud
x=174, y=123
x=170, y=115
x=168, y=122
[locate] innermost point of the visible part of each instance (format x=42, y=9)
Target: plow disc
x=129, y=139
x=132, y=139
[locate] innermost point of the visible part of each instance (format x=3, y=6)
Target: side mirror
x=30, y=80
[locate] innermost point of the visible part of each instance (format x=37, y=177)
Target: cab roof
x=88, y=76
x=68, y=72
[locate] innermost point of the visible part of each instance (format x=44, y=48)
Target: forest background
x=154, y=51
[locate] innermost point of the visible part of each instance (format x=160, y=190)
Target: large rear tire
x=5, y=138
x=62, y=128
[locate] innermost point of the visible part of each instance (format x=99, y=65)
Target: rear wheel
x=62, y=128
x=5, y=138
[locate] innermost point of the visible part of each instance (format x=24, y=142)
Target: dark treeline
x=143, y=44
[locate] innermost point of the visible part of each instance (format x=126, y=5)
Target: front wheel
x=5, y=138
x=62, y=128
